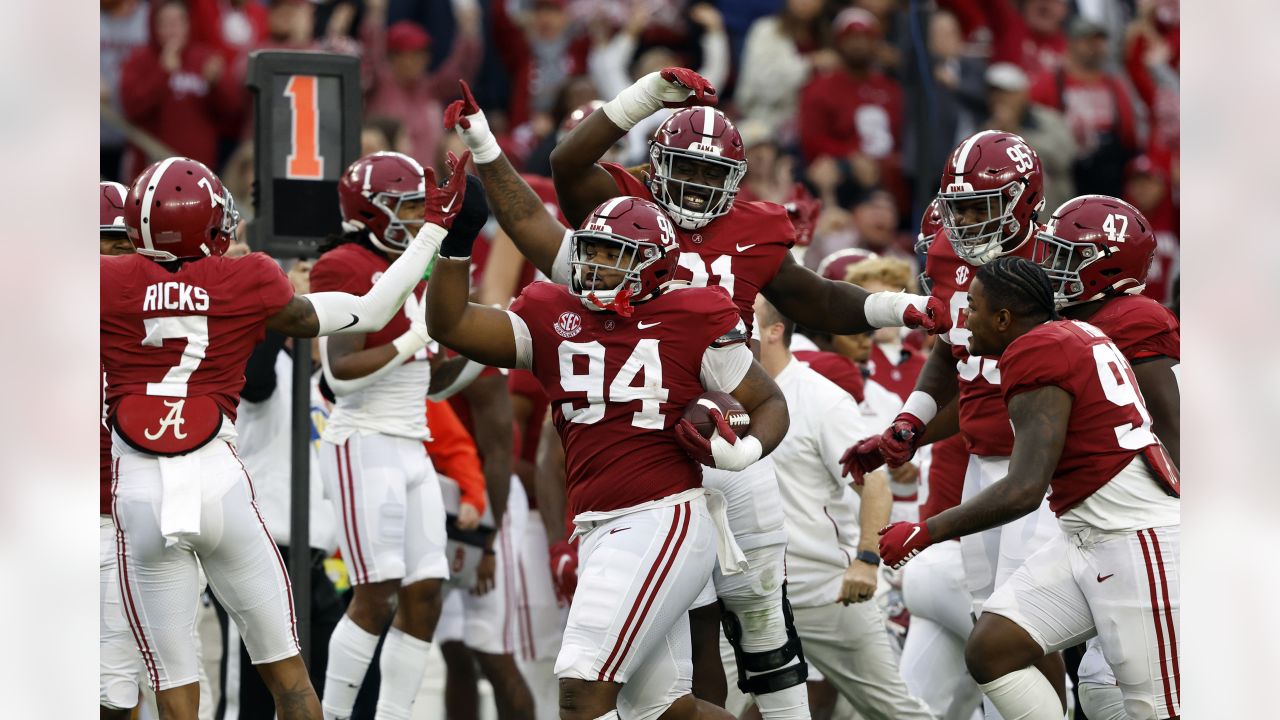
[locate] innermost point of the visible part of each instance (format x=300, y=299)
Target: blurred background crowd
x=856, y=103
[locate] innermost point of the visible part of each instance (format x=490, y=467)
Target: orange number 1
x=304, y=161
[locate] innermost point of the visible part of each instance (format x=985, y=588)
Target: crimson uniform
x=174, y=346
x=372, y=461
x=992, y=555
x=1113, y=570
x=617, y=387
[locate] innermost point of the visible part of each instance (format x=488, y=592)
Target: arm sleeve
x=524, y=341
x=724, y=367
x=342, y=312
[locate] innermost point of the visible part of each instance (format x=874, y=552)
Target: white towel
x=732, y=559
x=180, y=500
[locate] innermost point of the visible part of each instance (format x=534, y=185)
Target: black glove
x=468, y=222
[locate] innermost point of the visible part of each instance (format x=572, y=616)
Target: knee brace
x=770, y=670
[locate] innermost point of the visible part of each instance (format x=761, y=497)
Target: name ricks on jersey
x=175, y=296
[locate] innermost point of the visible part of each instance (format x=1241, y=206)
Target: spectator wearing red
x=1030, y=36
x=1148, y=188
x=122, y=29
x=891, y=363
x=540, y=51
x=402, y=85
x=1152, y=58
x=851, y=116
x=1098, y=108
x=177, y=90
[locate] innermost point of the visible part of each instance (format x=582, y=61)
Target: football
x=736, y=415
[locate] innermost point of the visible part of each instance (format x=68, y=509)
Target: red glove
x=703, y=92
x=564, y=569
x=936, y=320
x=456, y=114
x=898, y=443
x=700, y=448
x=901, y=541
x=803, y=211
x=862, y=458
x=443, y=203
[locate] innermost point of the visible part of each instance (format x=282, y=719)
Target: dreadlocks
x=1019, y=285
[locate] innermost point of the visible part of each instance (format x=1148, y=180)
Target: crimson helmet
x=1094, y=246
x=575, y=118
x=647, y=257
x=111, y=207
x=178, y=208
x=930, y=224
x=836, y=265
x=371, y=192
x=705, y=136
x=1000, y=174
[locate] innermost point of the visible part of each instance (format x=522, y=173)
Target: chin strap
x=620, y=304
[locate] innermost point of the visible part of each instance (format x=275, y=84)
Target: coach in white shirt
x=831, y=561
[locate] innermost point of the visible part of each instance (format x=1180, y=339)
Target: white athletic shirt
x=820, y=510
x=1132, y=500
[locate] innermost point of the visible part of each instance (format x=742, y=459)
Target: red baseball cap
x=406, y=36
x=856, y=20
x=836, y=265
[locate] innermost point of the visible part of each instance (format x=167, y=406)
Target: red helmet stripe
x=148, y=199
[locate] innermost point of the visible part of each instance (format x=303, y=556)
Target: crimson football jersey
x=1109, y=422
x=354, y=268
x=1140, y=327
x=617, y=386
x=837, y=368
x=187, y=333
x=740, y=251
x=984, y=420
x=899, y=379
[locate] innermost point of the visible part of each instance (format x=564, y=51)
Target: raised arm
x=1040, y=428
x=330, y=313
x=520, y=212
x=581, y=185
x=481, y=333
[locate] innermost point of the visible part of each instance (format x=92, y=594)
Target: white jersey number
x=1121, y=388
x=721, y=267
x=195, y=328
x=651, y=394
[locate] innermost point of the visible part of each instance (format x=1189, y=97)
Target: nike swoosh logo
x=646, y=326
x=451, y=201
x=1103, y=578
x=744, y=248
x=617, y=530
x=914, y=530
x=354, y=319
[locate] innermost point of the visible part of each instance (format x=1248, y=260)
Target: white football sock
x=403, y=663
x=1024, y=695
x=350, y=652
x=789, y=704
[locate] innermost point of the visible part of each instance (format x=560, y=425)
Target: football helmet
x=704, y=135
x=930, y=224
x=371, y=192
x=992, y=189
x=1094, y=246
x=178, y=208
x=836, y=265
x=111, y=207
x=648, y=253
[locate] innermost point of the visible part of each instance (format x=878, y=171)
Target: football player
x=1083, y=433
x=178, y=322
x=832, y=566
x=992, y=190
x=697, y=160
x=372, y=462
x=620, y=353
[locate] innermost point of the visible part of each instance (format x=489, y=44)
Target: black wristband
x=868, y=557
x=467, y=224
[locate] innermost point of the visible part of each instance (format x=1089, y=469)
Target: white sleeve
x=723, y=368
x=465, y=377
x=840, y=426
x=524, y=341
x=715, y=58
x=407, y=345
x=340, y=312
x=561, y=270
x=607, y=65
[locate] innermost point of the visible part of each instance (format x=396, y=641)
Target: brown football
x=736, y=415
